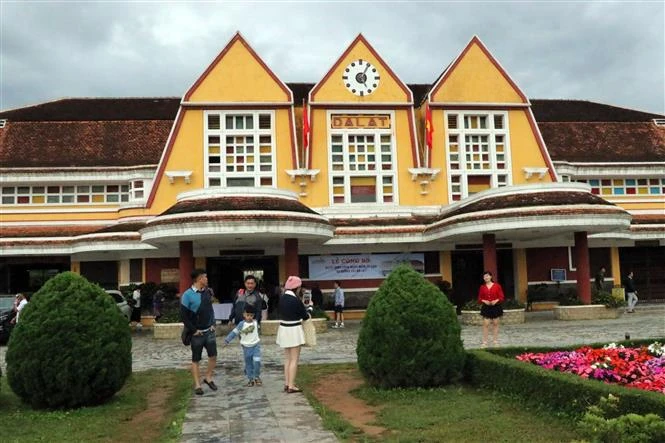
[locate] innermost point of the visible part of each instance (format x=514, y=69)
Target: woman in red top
x=490, y=297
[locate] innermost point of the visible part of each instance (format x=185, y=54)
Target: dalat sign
x=364, y=121
x=350, y=267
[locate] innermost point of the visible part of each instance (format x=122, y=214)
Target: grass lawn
x=453, y=414
x=150, y=407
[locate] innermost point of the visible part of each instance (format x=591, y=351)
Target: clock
x=361, y=78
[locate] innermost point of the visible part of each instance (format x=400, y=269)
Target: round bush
x=71, y=347
x=410, y=336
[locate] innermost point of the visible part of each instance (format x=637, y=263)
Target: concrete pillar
x=489, y=254
x=446, y=265
x=582, y=263
x=616, y=265
x=291, y=264
x=186, y=265
x=75, y=267
x=520, y=275
x=123, y=272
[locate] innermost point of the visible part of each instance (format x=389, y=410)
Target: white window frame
x=378, y=173
x=223, y=175
x=493, y=172
x=31, y=194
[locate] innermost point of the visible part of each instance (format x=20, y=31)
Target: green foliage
x=319, y=313
x=570, y=298
x=603, y=423
x=410, y=336
x=71, y=348
x=607, y=299
x=566, y=393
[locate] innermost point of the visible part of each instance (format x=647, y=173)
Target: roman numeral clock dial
x=361, y=78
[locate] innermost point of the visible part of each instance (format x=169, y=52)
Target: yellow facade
x=476, y=79
x=237, y=75
x=333, y=90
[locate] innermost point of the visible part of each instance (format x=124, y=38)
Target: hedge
x=567, y=393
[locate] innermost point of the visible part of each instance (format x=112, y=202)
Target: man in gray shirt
x=339, y=306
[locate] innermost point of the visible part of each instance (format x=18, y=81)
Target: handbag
x=310, y=333
x=186, y=336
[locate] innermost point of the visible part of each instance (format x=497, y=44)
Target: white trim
x=172, y=175
x=188, y=215
x=363, y=104
x=190, y=104
x=304, y=172
x=378, y=173
x=611, y=170
x=529, y=171
x=483, y=104
x=493, y=172
x=223, y=176
x=237, y=191
x=617, y=199
x=75, y=176
x=60, y=211
x=570, y=259
x=59, y=223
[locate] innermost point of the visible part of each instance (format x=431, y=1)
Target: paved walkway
x=266, y=414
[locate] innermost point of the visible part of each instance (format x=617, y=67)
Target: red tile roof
x=82, y=143
x=604, y=142
x=121, y=132
x=228, y=203
x=45, y=231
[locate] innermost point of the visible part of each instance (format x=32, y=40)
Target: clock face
x=361, y=78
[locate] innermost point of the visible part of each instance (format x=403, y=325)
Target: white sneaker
x=341, y=325
x=335, y=326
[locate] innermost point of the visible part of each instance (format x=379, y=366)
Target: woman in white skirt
x=290, y=335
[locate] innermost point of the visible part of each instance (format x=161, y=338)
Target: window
x=64, y=194
x=137, y=189
x=478, y=152
x=613, y=187
x=240, y=149
x=362, y=167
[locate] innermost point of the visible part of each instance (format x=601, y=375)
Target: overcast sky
x=610, y=52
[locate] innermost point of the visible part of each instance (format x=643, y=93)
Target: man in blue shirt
x=197, y=315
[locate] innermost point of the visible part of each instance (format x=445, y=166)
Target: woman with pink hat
x=290, y=335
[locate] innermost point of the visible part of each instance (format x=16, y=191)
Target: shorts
x=208, y=341
x=339, y=308
x=136, y=314
x=491, y=311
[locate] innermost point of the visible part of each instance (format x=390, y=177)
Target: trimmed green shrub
x=71, y=348
x=554, y=390
x=410, y=336
x=602, y=423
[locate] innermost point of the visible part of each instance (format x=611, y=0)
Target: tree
x=410, y=336
x=71, y=347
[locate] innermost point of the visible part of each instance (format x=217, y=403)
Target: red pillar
x=489, y=254
x=186, y=265
x=582, y=263
x=291, y=262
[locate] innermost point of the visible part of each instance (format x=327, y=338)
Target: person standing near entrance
x=339, y=305
x=136, y=306
x=197, y=314
x=631, y=293
x=490, y=297
x=599, y=282
x=290, y=335
x=249, y=295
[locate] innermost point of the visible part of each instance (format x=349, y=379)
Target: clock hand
x=365, y=71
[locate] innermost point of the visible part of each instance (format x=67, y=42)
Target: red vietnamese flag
x=305, y=133
x=429, y=129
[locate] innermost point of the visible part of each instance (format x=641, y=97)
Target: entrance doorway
x=468, y=274
x=226, y=275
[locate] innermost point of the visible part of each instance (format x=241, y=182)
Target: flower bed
x=642, y=368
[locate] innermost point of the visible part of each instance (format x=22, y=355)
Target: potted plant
x=603, y=306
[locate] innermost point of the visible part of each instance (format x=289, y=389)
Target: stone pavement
x=266, y=414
